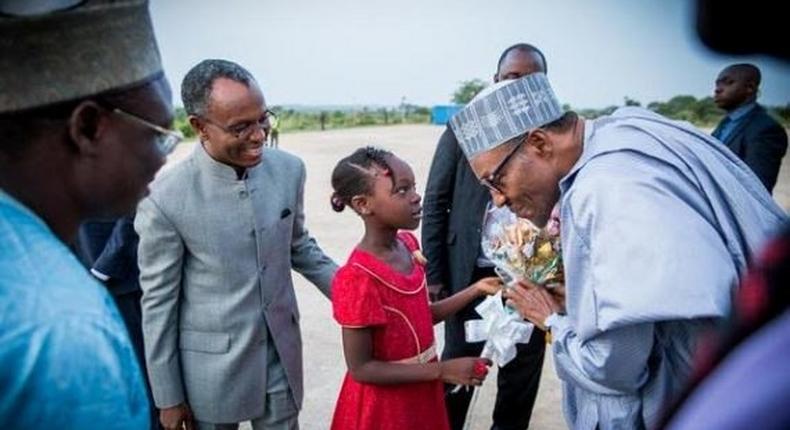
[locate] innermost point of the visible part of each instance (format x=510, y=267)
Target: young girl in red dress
x=380, y=299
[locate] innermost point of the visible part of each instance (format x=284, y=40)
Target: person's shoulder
x=282, y=166
x=627, y=119
x=359, y=266
x=637, y=131
x=349, y=278
x=279, y=157
x=613, y=135
x=614, y=130
x=64, y=291
x=344, y=272
x=84, y=347
x=351, y=268
x=172, y=178
x=83, y=309
x=410, y=240
x=448, y=144
x=763, y=121
x=632, y=112
x=611, y=172
x=448, y=137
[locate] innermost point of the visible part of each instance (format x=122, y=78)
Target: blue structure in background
x=441, y=114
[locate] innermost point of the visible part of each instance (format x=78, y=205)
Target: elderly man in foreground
x=658, y=222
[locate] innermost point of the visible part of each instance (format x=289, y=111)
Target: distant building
x=441, y=114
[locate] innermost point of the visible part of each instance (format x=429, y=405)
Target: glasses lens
x=255, y=126
x=490, y=184
x=167, y=142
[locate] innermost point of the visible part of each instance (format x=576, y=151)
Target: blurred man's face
x=517, y=64
x=732, y=89
x=129, y=155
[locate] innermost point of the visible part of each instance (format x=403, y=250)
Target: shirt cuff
x=556, y=327
x=551, y=320
x=99, y=275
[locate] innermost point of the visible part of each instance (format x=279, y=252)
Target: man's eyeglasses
x=246, y=129
x=166, y=140
x=492, y=180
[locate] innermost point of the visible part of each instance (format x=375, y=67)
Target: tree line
x=303, y=120
x=701, y=112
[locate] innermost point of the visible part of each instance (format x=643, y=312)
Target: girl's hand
x=488, y=286
x=464, y=371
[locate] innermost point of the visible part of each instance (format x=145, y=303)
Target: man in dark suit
x=109, y=249
x=747, y=129
x=453, y=210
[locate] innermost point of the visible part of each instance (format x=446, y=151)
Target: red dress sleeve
x=410, y=240
x=355, y=299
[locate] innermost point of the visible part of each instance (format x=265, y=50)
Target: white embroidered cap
x=503, y=111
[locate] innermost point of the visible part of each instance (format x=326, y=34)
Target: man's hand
x=558, y=292
x=533, y=302
x=176, y=418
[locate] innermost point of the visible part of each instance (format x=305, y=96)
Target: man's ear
x=87, y=123
x=199, y=127
x=541, y=143
x=361, y=205
x=752, y=87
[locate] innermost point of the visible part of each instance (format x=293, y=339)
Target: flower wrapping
x=520, y=250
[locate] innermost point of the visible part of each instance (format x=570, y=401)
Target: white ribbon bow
x=500, y=327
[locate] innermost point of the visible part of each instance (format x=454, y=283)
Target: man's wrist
x=548, y=323
x=550, y=320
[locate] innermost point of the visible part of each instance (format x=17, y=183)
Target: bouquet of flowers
x=520, y=250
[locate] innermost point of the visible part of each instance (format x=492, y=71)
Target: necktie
x=720, y=128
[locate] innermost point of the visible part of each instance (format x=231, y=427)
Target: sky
x=375, y=52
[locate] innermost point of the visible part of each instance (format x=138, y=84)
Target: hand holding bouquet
x=520, y=250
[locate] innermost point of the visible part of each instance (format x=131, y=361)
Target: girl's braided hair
x=354, y=175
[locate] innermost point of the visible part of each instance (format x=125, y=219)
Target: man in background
x=274, y=134
x=747, y=129
x=108, y=248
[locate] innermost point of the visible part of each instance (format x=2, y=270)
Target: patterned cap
x=503, y=111
x=60, y=50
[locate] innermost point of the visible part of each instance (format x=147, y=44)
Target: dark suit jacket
x=760, y=142
x=110, y=247
x=453, y=210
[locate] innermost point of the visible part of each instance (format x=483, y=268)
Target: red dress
x=368, y=293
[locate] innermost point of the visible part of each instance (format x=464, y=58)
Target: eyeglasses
x=492, y=180
x=245, y=130
x=166, y=140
